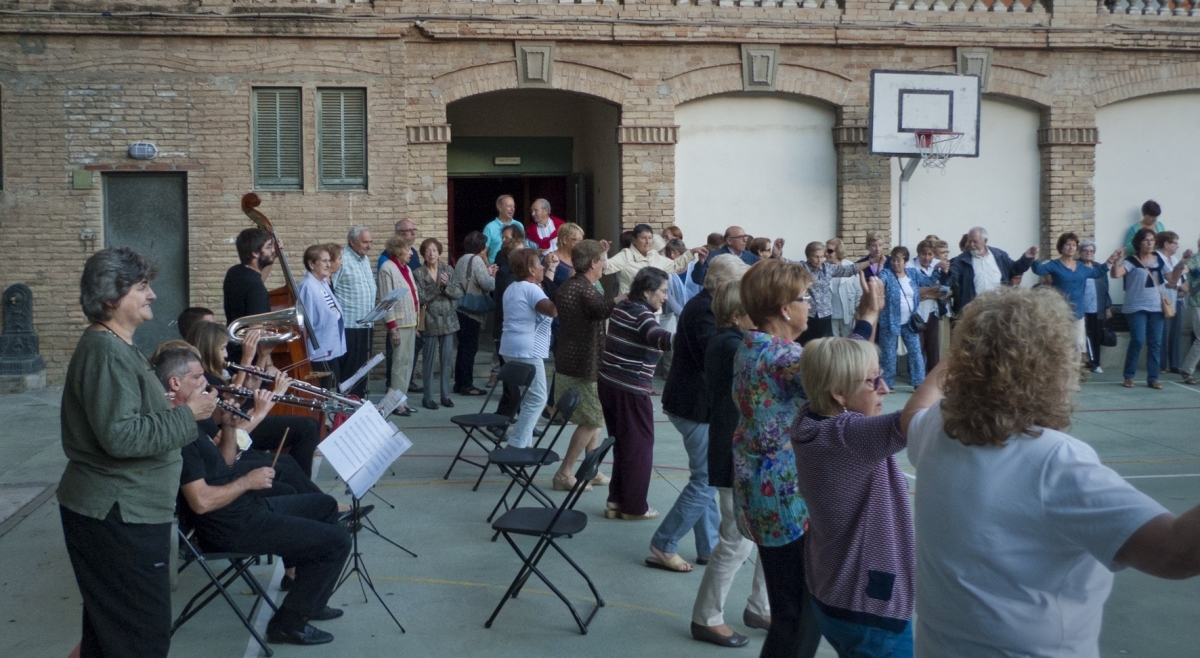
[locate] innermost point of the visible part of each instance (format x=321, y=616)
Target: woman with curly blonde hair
x=1018, y=524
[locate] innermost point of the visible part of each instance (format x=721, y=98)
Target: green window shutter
x=277, y=158
x=342, y=138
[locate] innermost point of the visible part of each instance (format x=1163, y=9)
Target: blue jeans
x=887, y=356
x=1144, y=328
x=696, y=508
x=852, y=640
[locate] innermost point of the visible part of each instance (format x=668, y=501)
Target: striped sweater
x=632, y=347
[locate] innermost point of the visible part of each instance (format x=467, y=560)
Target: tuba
x=281, y=325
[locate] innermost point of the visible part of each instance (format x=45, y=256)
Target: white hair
x=353, y=233
x=542, y=203
x=725, y=267
x=981, y=231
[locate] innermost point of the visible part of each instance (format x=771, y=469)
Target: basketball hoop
x=936, y=147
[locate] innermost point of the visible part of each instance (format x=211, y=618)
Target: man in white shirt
x=354, y=287
x=982, y=268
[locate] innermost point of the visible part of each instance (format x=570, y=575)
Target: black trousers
x=302, y=529
x=123, y=571
x=931, y=344
x=302, y=438
x=794, y=631
x=1093, y=326
x=358, y=349
x=817, y=328
x=468, y=347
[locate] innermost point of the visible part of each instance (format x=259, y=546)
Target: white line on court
x=1181, y=475
x=1186, y=388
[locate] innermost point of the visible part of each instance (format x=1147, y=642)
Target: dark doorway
x=148, y=213
x=473, y=201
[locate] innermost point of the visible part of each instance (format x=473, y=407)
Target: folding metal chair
x=548, y=524
x=482, y=427
x=515, y=462
x=218, y=584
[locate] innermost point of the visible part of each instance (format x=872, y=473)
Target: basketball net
x=936, y=147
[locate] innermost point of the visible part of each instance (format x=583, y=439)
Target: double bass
x=286, y=326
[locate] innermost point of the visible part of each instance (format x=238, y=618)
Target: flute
x=296, y=384
x=291, y=400
x=222, y=404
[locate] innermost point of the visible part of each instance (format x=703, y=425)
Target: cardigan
x=438, y=300
x=472, y=275
x=889, y=318
x=632, y=348
x=328, y=323
x=582, y=314
x=962, y=274
x=404, y=312
x=723, y=413
x=684, y=394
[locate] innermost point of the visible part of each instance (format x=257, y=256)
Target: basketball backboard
x=904, y=103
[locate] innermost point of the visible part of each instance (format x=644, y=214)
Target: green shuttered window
x=277, y=156
x=342, y=138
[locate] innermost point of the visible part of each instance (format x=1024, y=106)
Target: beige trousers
x=731, y=551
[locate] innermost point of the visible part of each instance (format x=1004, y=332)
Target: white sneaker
x=1099, y=370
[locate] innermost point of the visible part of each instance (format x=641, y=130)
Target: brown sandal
x=1155, y=385
x=1128, y=383
x=1189, y=380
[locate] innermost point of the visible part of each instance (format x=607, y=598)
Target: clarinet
x=304, y=387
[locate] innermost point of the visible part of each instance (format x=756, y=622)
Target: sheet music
x=362, y=372
x=393, y=399
x=363, y=448
x=383, y=306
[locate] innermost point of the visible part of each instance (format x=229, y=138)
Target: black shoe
x=308, y=636
x=286, y=583
x=406, y=413
x=349, y=515
x=447, y=402
x=328, y=613
x=430, y=405
x=703, y=634
x=755, y=621
x=413, y=388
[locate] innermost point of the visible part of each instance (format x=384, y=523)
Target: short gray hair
x=980, y=230
x=173, y=363
x=676, y=246
x=725, y=267
x=108, y=276
x=353, y=233
x=1087, y=243
x=542, y=203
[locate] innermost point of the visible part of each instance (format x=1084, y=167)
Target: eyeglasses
x=804, y=299
x=876, y=382
x=408, y=230
x=737, y=237
x=831, y=251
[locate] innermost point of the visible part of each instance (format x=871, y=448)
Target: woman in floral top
x=766, y=388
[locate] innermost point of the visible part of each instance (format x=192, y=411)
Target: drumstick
x=280, y=448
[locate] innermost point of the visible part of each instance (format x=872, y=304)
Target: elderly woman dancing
x=859, y=555
x=1018, y=524
x=766, y=387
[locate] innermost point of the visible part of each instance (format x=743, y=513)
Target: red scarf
x=404, y=272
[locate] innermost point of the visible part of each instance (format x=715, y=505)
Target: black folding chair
x=548, y=524
x=218, y=584
x=489, y=430
x=515, y=462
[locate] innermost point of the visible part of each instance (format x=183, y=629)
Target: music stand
x=360, y=451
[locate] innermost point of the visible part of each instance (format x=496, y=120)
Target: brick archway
x=790, y=79
x=1146, y=81
x=499, y=76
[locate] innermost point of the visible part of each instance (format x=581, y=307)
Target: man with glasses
x=736, y=240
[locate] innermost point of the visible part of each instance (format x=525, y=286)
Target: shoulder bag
x=472, y=303
x=1168, y=308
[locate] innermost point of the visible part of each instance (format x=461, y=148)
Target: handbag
x=1108, y=337
x=1168, y=307
x=472, y=303
x=915, y=323
x=421, y=320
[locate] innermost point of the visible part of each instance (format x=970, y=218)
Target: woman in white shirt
x=528, y=313
x=1166, y=244
x=844, y=292
x=1018, y=524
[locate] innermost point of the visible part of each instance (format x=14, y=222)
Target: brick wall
x=75, y=92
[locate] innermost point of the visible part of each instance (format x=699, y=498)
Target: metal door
x=148, y=213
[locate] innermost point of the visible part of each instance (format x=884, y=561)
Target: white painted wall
x=764, y=162
x=1137, y=160
x=999, y=190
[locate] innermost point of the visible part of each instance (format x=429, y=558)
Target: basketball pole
x=907, y=167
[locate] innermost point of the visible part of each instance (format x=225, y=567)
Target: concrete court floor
x=444, y=596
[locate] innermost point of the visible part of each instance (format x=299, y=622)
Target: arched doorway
x=534, y=143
